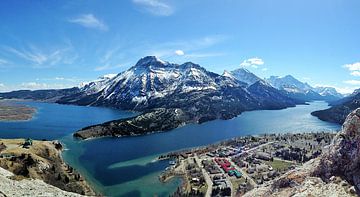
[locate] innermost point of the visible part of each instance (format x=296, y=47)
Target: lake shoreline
x=12, y=111
x=33, y=159
x=92, y=158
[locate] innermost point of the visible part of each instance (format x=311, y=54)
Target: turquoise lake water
x=125, y=166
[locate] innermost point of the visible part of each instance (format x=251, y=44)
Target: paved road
x=252, y=149
x=206, y=176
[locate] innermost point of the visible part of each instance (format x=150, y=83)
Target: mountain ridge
x=160, y=90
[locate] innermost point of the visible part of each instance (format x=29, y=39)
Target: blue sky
x=56, y=44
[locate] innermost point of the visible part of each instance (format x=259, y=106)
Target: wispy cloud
x=68, y=79
x=355, y=73
x=3, y=61
x=32, y=55
x=40, y=86
x=186, y=48
x=155, y=7
x=196, y=55
x=252, y=62
x=89, y=21
x=108, y=66
x=352, y=82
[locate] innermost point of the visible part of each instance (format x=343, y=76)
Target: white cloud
x=345, y=90
x=252, y=62
x=355, y=73
x=89, y=21
x=264, y=69
x=71, y=79
x=179, y=52
x=353, y=67
x=192, y=47
x=3, y=87
x=352, y=82
x=155, y=7
x=40, y=86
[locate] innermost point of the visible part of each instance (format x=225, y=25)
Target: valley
x=169, y=95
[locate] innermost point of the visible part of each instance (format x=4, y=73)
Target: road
x=252, y=149
x=206, y=176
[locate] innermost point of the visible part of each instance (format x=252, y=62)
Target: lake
x=125, y=166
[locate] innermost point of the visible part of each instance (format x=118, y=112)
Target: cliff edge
x=28, y=187
x=335, y=173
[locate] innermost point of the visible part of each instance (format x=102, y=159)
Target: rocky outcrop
x=300, y=182
x=41, y=160
x=343, y=157
x=28, y=187
x=335, y=173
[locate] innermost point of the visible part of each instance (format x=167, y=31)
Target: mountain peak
x=227, y=74
x=244, y=75
x=290, y=77
x=151, y=61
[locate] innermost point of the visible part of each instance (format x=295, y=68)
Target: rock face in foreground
x=343, y=157
x=335, y=173
x=9, y=187
x=40, y=160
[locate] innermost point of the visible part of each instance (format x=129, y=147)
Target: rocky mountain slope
x=160, y=89
x=243, y=75
x=335, y=173
x=340, y=109
x=186, y=93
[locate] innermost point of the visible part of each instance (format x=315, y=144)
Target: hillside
x=334, y=173
x=340, y=109
x=159, y=90
x=33, y=187
x=40, y=160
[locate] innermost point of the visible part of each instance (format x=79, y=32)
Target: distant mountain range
x=288, y=85
x=170, y=95
x=303, y=91
x=340, y=108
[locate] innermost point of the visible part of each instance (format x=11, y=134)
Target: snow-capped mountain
x=289, y=83
x=97, y=85
x=186, y=92
x=297, y=89
x=152, y=78
x=243, y=75
x=303, y=91
x=328, y=92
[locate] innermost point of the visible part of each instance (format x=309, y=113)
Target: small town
x=236, y=166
